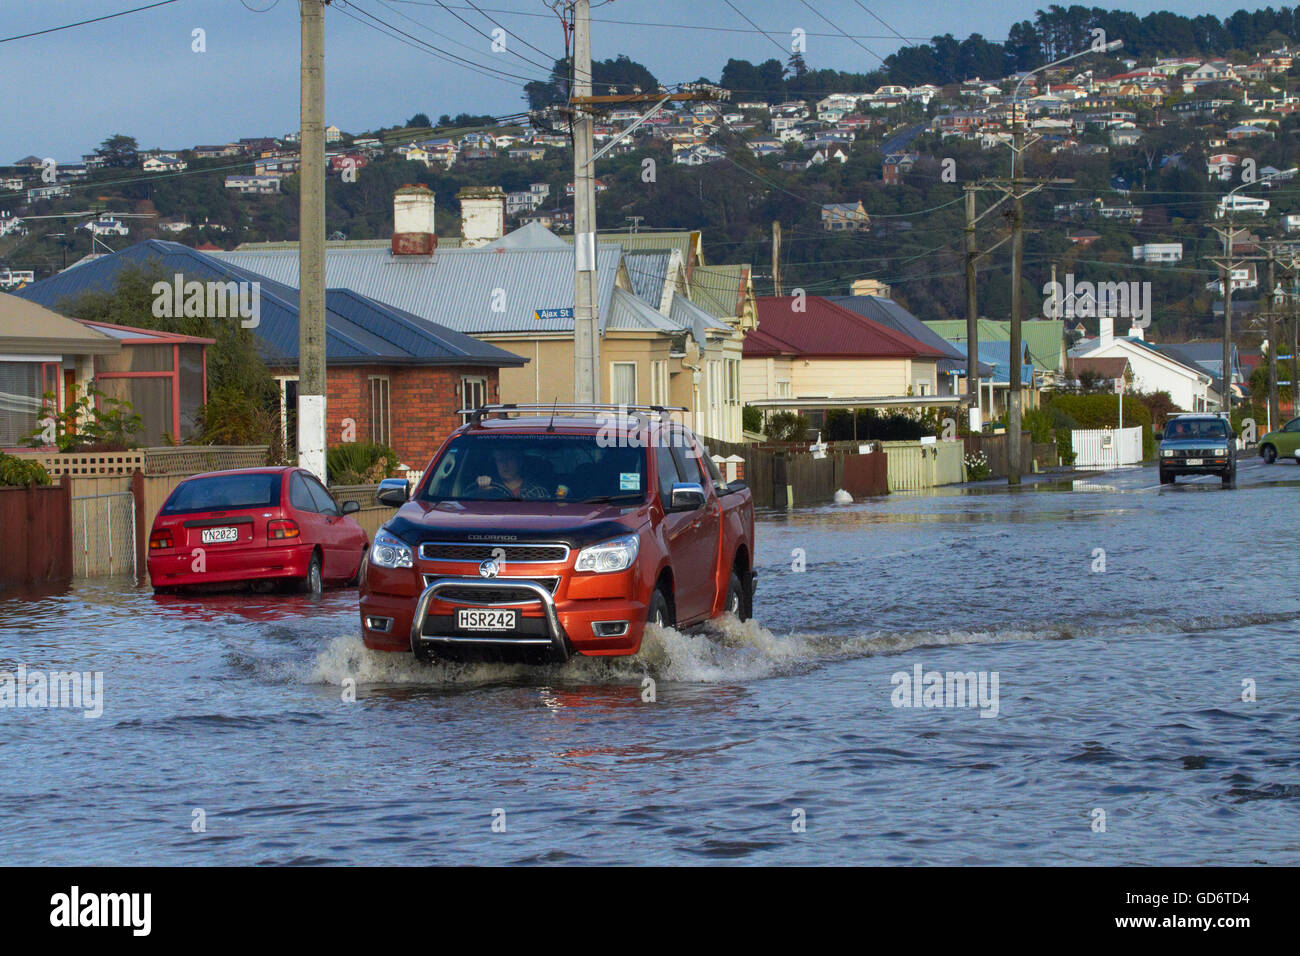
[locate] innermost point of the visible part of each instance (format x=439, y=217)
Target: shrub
x=879, y=426
x=233, y=417
x=18, y=472
x=751, y=419
x=360, y=463
x=787, y=426
x=93, y=422
x=977, y=466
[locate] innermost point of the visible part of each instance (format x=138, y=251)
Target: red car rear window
x=225, y=492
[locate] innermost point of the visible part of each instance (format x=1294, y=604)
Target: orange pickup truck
x=538, y=532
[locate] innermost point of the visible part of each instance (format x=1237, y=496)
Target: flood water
x=1119, y=699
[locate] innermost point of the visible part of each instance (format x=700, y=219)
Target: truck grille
x=503, y=594
x=514, y=553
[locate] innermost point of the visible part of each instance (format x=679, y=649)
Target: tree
x=118, y=150
x=233, y=361
x=419, y=119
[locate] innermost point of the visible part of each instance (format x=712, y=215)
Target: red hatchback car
x=260, y=525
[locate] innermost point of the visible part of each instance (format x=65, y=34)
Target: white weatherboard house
x=1153, y=371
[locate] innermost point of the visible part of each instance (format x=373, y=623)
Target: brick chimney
x=413, y=232
x=482, y=215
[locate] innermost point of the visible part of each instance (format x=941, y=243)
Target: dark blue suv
x=1198, y=445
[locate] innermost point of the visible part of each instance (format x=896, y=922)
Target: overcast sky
x=64, y=92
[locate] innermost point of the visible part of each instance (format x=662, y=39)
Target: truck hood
x=576, y=524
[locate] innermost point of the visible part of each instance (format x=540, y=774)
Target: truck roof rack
x=568, y=408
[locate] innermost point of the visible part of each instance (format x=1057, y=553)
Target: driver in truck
x=510, y=479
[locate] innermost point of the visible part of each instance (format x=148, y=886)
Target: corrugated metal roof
x=648, y=272
x=718, y=289
x=826, y=330
x=628, y=311
x=1044, y=338
x=357, y=329
x=473, y=291
x=889, y=313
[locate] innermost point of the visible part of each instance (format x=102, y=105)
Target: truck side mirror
x=687, y=496
x=392, y=492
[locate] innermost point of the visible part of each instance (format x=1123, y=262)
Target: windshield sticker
x=629, y=481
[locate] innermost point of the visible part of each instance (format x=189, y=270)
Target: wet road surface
x=1124, y=623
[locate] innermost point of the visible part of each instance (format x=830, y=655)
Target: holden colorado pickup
x=538, y=532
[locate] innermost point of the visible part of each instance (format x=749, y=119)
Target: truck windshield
x=1196, y=429
x=542, y=467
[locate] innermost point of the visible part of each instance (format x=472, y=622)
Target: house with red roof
x=807, y=347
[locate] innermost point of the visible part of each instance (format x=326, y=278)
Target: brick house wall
x=422, y=403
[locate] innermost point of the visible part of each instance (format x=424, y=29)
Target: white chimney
x=482, y=215
x=413, y=230
x=1135, y=331
x=1106, y=336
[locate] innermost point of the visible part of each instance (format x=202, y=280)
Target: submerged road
x=1134, y=697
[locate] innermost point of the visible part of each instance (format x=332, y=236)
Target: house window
x=20, y=400
x=659, y=382
x=473, y=393
x=380, y=422
x=733, y=381
x=622, y=383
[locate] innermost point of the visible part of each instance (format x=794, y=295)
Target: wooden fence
x=36, y=524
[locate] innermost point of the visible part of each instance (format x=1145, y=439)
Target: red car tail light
x=160, y=539
x=282, y=528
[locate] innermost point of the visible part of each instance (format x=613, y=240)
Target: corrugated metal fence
x=913, y=466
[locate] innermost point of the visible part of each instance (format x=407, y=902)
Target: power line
x=883, y=23
x=841, y=31
x=515, y=53
x=482, y=13
x=649, y=23
x=427, y=47
x=756, y=27
x=81, y=23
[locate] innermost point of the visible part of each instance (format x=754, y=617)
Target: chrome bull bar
x=557, y=640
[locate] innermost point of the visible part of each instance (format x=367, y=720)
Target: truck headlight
x=1168, y=453
x=390, y=551
x=616, y=554
x=1219, y=452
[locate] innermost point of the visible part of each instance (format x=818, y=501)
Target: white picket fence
x=1106, y=447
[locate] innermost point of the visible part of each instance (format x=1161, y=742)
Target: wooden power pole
x=311, y=243
x=776, y=257
x=586, y=330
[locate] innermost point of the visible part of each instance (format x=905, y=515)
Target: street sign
x=540, y=314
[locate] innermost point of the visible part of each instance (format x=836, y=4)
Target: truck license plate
x=1196, y=461
x=219, y=535
x=484, y=619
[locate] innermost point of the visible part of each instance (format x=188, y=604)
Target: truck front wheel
x=736, y=603
x=659, y=612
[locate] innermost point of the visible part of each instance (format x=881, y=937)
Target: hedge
x=1102, y=411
